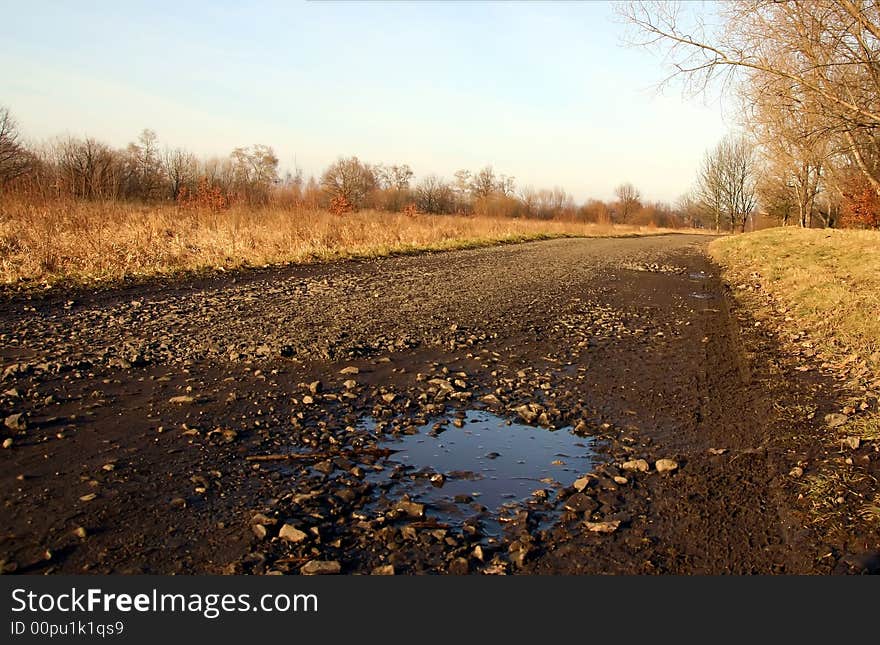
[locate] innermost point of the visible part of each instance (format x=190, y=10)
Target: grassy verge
x=822, y=282
x=821, y=290
x=82, y=243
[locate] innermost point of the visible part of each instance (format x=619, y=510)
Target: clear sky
x=546, y=92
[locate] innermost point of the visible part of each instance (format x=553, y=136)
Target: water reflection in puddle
x=698, y=277
x=485, y=468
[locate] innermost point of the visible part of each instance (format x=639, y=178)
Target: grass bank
x=822, y=289
x=82, y=243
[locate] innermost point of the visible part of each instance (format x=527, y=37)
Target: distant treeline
x=144, y=171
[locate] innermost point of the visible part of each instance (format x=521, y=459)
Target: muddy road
x=499, y=410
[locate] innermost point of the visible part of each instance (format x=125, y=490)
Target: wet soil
x=252, y=423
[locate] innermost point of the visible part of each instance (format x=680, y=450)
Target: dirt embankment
x=246, y=423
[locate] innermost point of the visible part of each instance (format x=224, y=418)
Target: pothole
x=487, y=470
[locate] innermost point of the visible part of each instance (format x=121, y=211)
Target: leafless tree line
x=144, y=171
x=726, y=184
x=483, y=192
x=86, y=168
x=391, y=187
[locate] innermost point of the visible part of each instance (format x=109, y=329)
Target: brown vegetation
x=78, y=209
x=81, y=241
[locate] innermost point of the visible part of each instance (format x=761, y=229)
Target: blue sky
x=546, y=92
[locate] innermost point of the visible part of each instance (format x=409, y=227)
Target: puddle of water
x=490, y=467
x=700, y=275
x=703, y=295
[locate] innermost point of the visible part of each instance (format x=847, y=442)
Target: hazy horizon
x=544, y=92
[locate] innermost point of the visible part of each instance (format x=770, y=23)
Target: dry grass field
x=84, y=242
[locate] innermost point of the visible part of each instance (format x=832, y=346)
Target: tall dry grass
x=82, y=242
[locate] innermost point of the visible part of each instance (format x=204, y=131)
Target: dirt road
x=207, y=426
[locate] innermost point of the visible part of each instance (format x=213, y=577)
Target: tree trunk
x=860, y=162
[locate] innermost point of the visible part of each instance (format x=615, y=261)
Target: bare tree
x=710, y=191
x=829, y=204
x=775, y=195
x=350, y=179
x=483, y=183
x=395, y=177
x=629, y=200
x=88, y=168
x=141, y=172
x=690, y=211
x=529, y=199
x=505, y=185
x=826, y=52
x=550, y=202
x=15, y=160
x=181, y=170
x=726, y=183
x=255, y=171
x=217, y=171
x=739, y=179
x=462, y=190
x=795, y=144
x=433, y=195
